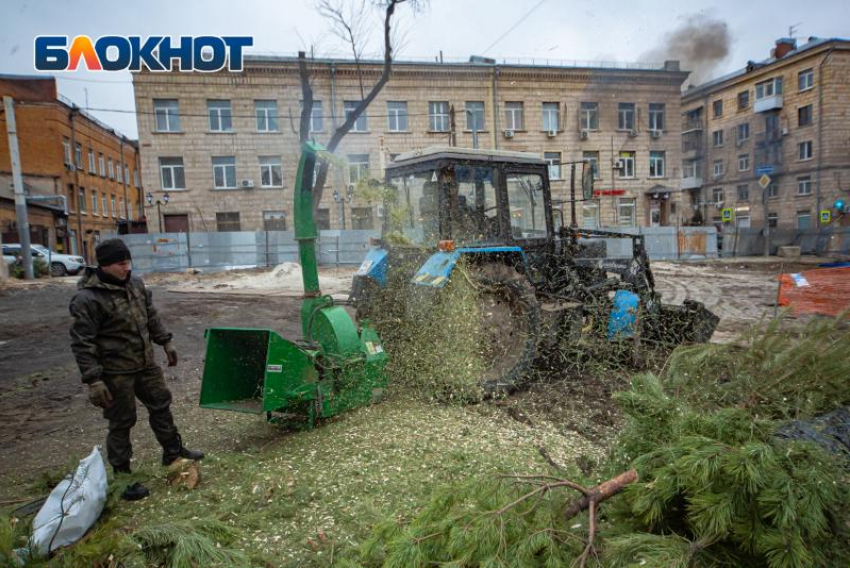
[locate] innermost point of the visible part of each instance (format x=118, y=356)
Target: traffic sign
x=764, y=181
x=727, y=214
x=764, y=170
x=825, y=216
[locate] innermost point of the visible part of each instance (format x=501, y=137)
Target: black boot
x=119, y=469
x=135, y=492
x=176, y=451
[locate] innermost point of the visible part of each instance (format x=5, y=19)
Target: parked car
x=60, y=264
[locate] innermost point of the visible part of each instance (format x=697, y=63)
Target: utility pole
x=18, y=180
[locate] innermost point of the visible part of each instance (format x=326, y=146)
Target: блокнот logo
x=155, y=53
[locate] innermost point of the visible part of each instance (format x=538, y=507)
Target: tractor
x=492, y=212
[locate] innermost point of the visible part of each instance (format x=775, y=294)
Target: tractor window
x=411, y=207
x=527, y=210
x=477, y=219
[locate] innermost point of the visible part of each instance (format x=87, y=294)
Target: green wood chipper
x=337, y=365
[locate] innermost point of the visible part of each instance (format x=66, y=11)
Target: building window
x=656, y=164
x=101, y=163
x=805, y=150
x=513, y=116
x=323, y=219
x=691, y=169
x=475, y=115
x=743, y=192
x=266, y=113
x=114, y=207
x=551, y=117
x=804, y=115
x=317, y=122
x=743, y=162
x=438, y=116
x=111, y=168
x=66, y=147
x=554, y=159
x=224, y=172
x=772, y=220
x=172, y=173
x=743, y=131
x=769, y=88
x=94, y=202
x=121, y=212
x=804, y=185
x=592, y=158
x=78, y=155
x=118, y=175
x=362, y=122
x=625, y=116
x=126, y=174
x=130, y=210
x=137, y=181
x=717, y=137
x=656, y=116
x=361, y=218
x=104, y=205
x=589, y=116
x=773, y=191
x=358, y=167
x=590, y=216
x=626, y=212
x=221, y=117
x=91, y=161
x=743, y=100
x=227, y=221
x=717, y=108
x=271, y=171
x=718, y=168
x=806, y=79
x=717, y=195
x=804, y=220
x=274, y=220
x=166, y=115
x=81, y=199
x=627, y=161
x=397, y=116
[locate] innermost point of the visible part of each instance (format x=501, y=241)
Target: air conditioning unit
x=655, y=133
x=784, y=131
x=509, y=133
x=619, y=164
x=583, y=134
x=247, y=183
x=552, y=133
x=381, y=211
x=633, y=133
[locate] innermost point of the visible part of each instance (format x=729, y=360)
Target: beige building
x=787, y=117
x=225, y=148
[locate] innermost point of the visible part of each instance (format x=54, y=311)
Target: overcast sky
x=551, y=29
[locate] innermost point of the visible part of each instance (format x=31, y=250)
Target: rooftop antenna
x=792, y=29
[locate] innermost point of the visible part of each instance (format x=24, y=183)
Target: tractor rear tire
x=510, y=322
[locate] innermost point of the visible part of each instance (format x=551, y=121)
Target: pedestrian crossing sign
x=727, y=214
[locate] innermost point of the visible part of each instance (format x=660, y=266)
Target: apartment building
x=784, y=121
x=224, y=146
x=81, y=176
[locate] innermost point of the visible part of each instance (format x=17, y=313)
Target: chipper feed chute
x=337, y=366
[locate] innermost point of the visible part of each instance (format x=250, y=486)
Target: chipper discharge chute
x=337, y=366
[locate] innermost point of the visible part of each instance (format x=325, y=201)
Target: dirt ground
x=45, y=418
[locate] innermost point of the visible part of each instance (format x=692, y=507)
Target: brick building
x=88, y=167
x=225, y=148
x=788, y=117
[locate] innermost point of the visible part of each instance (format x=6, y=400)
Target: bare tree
x=351, y=28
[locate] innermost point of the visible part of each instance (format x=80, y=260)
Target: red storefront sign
x=608, y=192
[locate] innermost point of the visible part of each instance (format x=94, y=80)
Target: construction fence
x=829, y=241
x=177, y=252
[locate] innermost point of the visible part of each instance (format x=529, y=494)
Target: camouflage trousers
x=149, y=387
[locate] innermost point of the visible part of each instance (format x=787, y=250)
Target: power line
x=513, y=27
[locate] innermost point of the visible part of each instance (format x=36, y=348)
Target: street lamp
x=340, y=200
x=165, y=198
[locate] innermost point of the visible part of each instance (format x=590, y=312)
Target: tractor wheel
x=58, y=269
x=510, y=319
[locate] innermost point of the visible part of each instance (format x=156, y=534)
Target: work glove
x=171, y=353
x=99, y=394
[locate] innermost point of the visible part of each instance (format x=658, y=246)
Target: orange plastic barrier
x=824, y=291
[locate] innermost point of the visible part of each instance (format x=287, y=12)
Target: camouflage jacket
x=113, y=327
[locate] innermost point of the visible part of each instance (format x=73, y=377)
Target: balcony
x=768, y=103
x=691, y=182
x=691, y=125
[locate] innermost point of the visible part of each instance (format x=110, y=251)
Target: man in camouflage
x=114, y=323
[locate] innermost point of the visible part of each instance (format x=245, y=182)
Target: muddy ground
x=46, y=420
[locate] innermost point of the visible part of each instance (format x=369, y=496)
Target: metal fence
x=751, y=242
x=176, y=252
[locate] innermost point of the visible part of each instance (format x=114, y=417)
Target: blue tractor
x=539, y=281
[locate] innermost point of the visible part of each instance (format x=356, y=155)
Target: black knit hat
x=111, y=251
